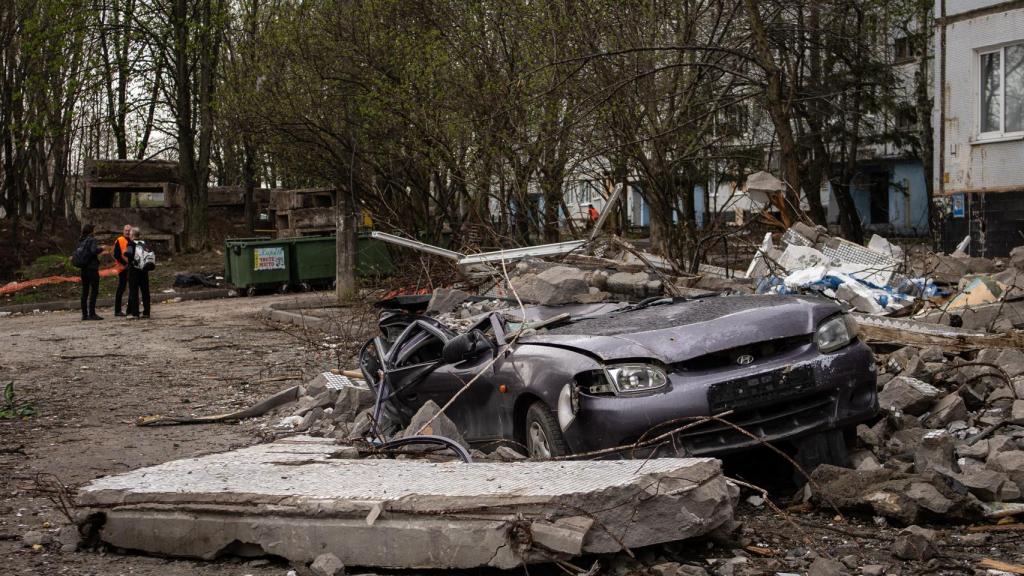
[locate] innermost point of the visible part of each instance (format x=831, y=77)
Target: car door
x=413, y=356
x=480, y=410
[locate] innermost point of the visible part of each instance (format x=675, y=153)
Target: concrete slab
x=294, y=499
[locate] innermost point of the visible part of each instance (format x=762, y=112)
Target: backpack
x=80, y=257
x=143, y=258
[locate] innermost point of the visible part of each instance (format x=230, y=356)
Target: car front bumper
x=775, y=399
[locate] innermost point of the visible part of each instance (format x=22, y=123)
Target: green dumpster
x=313, y=259
x=255, y=263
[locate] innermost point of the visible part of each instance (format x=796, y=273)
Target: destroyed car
x=783, y=368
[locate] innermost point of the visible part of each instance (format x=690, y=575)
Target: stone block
x=908, y=395
x=327, y=565
x=949, y=409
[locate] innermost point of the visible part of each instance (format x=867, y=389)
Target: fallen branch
x=260, y=408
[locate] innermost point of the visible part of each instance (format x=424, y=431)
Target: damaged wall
x=981, y=172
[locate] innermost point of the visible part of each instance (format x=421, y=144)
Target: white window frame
x=1000, y=134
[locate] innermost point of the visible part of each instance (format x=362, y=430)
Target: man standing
x=120, y=247
x=89, y=253
x=138, y=277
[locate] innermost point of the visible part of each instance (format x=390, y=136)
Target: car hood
x=677, y=332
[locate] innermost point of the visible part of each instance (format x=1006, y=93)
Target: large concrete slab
x=296, y=499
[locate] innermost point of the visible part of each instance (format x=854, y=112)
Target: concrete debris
x=327, y=565
x=441, y=425
x=295, y=499
x=825, y=567
x=884, y=279
x=69, y=538
x=915, y=543
x=907, y=394
x=36, y=538
x=906, y=497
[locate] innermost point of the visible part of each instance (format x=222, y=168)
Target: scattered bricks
x=311, y=418
x=1017, y=413
x=1011, y=360
x=921, y=370
x=507, y=454
x=350, y=402
x=935, y=453
x=441, y=426
x=1010, y=463
x=907, y=395
x=445, y=300
x=592, y=297
x=933, y=354
x=36, y=538
x=628, y=283
x=69, y=538
x=998, y=444
x=950, y=408
x=1018, y=386
x=554, y=286
x=824, y=567
x=1001, y=397
x=898, y=360
x=327, y=565
x=914, y=543
x=304, y=405
x=906, y=442
x=978, y=450
x=864, y=460
x=986, y=484
x=361, y=426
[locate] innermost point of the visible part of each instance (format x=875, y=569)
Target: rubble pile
x=949, y=445
x=884, y=279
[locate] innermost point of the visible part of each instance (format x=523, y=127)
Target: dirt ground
x=90, y=381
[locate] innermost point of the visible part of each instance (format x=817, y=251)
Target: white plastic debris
x=289, y=422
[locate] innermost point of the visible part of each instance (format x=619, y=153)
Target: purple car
x=786, y=369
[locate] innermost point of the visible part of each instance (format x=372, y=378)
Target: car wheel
x=543, y=436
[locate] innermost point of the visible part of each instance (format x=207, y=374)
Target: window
x=902, y=49
x=1002, y=92
x=906, y=118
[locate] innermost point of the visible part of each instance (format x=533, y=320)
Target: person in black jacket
x=90, y=272
x=138, y=278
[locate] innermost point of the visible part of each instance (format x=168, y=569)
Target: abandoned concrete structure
x=146, y=193
x=303, y=212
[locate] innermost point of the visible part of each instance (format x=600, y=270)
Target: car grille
x=757, y=351
x=760, y=389
x=766, y=422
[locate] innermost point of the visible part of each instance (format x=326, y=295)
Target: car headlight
x=568, y=406
x=835, y=333
x=630, y=378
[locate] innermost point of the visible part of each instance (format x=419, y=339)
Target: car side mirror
x=465, y=347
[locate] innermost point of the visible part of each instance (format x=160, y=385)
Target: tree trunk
x=780, y=113
x=249, y=181
x=346, y=246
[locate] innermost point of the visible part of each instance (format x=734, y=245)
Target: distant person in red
x=592, y=216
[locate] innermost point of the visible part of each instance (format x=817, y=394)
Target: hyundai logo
x=744, y=359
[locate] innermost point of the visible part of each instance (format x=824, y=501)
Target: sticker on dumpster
x=268, y=258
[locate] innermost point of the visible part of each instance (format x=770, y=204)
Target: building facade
x=979, y=123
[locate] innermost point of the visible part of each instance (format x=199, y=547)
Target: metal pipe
x=541, y=251
x=416, y=245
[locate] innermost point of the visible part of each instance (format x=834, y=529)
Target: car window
x=389, y=333
x=420, y=347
